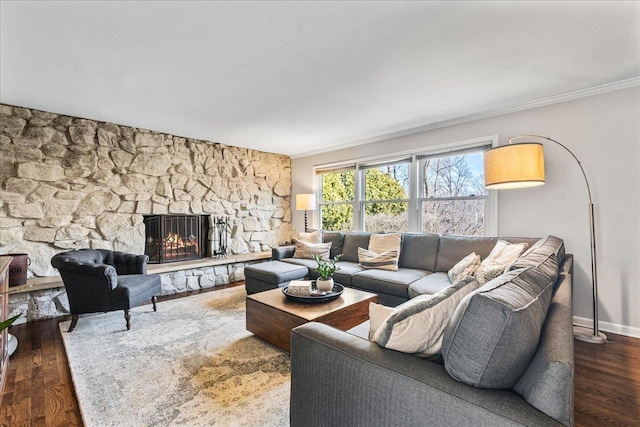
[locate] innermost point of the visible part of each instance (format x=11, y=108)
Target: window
x=437, y=191
x=452, y=195
x=386, y=200
x=336, y=199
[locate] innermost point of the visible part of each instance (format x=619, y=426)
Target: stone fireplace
x=172, y=238
x=68, y=183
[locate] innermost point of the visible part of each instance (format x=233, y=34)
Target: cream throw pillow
x=501, y=256
x=380, y=243
x=377, y=315
x=384, y=261
x=465, y=267
x=308, y=250
x=417, y=326
x=313, y=237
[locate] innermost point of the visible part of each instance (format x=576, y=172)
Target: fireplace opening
x=171, y=238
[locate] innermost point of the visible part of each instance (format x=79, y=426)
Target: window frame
x=415, y=158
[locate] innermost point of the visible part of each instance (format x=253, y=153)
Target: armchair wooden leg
x=154, y=300
x=127, y=316
x=74, y=322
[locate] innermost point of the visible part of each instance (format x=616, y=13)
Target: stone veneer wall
x=68, y=182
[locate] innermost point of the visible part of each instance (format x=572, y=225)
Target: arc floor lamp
x=521, y=165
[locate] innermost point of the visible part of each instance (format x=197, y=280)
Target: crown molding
x=583, y=93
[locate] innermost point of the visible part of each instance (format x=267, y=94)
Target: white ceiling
x=297, y=77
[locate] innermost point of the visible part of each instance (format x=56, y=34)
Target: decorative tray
x=316, y=296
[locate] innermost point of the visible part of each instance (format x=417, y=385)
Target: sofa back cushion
x=453, y=248
x=337, y=241
x=419, y=251
x=545, y=255
x=353, y=241
x=494, y=332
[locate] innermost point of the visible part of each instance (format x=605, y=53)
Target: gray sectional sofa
x=507, y=353
x=424, y=262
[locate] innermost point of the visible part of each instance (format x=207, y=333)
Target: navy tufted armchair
x=100, y=280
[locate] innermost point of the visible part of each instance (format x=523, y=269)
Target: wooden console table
x=4, y=312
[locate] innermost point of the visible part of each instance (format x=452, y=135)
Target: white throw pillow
x=313, y=237
x=501, y=256
x=384, y=261
x=377, y=315
x=308, y=250
x=465, y=267
x=417, y=326
x=380, y=243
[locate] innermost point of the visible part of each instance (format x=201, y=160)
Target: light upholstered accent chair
x=100, y=280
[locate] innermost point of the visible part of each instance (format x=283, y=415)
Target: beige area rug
x=192, y=363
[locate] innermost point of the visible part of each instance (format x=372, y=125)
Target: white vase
x=324, y=285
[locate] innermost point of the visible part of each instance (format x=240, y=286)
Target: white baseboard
x=615, y=328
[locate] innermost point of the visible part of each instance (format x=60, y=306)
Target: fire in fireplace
x=171, y=238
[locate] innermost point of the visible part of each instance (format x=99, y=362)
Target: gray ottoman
x=271, y=275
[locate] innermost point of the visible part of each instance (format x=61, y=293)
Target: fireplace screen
x=171, y=238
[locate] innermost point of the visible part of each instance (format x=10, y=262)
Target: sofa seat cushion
x=429, y=285
x=388, y=282
x=346, y=270
x=494, y=332
x=275, y=272
x=309, y=263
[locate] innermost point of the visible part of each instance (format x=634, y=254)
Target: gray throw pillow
x=493, y=334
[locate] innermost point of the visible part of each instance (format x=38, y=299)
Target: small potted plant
x=326, y=268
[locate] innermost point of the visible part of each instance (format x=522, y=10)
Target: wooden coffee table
x=271, y=316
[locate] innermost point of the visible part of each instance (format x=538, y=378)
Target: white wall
x=603, y=131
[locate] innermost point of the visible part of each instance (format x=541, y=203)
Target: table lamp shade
x=514, y=166
x=305, y=202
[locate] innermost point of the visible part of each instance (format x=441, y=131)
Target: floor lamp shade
x=514, y=166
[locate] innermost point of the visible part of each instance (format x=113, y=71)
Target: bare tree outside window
x=453, y=197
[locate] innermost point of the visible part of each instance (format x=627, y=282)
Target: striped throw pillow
x=308, y=250
x=385, y=261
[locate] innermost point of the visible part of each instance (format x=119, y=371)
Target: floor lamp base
x=585, y=334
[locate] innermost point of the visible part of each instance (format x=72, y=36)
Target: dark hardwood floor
x=39, y=390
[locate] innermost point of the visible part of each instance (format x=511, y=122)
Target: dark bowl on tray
x=316, y=297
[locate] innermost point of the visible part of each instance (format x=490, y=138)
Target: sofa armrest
x=282, y=252
x=340, y=379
